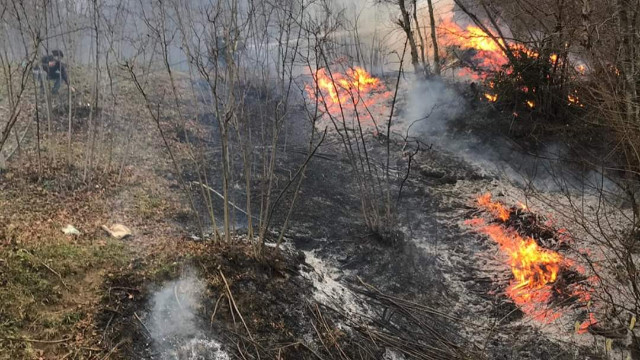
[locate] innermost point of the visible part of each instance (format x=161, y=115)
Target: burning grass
x=352, y=94
x=517, y=75
x=488, y=55
x=544, y=280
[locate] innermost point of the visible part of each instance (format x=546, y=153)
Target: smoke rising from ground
x=174, y=324
x=437, y=113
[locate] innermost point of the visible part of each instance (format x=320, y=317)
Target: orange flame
x=491, y=97
x=490, y=54
x=574, y=100
x=495, y=208
x=353, y=91
x=534, y=268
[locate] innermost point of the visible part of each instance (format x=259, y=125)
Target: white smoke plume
x=173, y=322
x=438, y=114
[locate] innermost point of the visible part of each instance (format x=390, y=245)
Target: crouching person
x=55, y=70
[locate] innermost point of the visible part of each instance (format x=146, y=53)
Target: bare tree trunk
x=434, y=39
x=37, y=108
x=423, y=48
x=405, y=24
x=96, y=95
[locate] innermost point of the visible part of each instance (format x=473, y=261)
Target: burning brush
x=544, y=281
x=533, y=225
x=353, y=94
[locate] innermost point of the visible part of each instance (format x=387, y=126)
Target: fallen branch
x=235, y=307
x=222, y=197
x=38, y=341
x=48, y=268
x=141, y=323
x=215, y=308
x=115, y=348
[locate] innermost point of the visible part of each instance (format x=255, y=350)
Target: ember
x=491, y=97
x=573, y=99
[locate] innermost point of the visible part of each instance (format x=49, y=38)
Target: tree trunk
x=434, y=39
x=405, y=24
x=423, y=49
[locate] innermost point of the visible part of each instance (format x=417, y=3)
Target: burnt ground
x=434, y=261
x=309, y=300
x=268, y=292
x=437, y=263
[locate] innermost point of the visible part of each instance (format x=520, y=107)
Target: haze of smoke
x=173, y=325
x=434, y=108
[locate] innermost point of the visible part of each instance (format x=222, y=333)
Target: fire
x=353, y=91
x=531, y=104
x=585, y=325
x=495, y=208
x=479, y=40
x=337, y=88
x=491, y=97
x=535, y=269
x=489, y=54
x=573, y=99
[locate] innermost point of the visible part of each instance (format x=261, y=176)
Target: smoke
x=174, y=325
x=433, y=110
x=438, y=114
x=432, y=106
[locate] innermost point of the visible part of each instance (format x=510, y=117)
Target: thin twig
x=235, y=307
x=48, y=268
x=38, y=341
x=115, y=348
x=141, y=323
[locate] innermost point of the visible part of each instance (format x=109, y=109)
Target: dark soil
x=270, y=293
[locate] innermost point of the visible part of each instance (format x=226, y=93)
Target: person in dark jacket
x=55, y=70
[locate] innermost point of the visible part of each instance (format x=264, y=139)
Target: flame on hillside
x=490, y=50
x=348, y=95
x=535, y=269
x=497, y=209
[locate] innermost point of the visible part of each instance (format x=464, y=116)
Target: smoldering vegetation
x=450, y=118
x=314, y=179
x=173, y=324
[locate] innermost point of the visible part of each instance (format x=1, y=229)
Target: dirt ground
x=331, y=292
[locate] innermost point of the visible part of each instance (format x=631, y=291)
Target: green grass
x=148, y=205
x=34, y=301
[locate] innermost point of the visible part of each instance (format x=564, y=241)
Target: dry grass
x=52, y=284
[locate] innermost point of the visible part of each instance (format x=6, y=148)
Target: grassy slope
x=52, y=284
